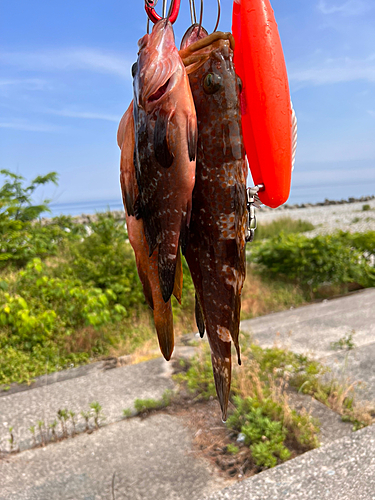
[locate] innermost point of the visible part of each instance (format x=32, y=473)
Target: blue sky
x=65, y=83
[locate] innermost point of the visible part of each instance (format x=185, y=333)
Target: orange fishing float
x=266, y=106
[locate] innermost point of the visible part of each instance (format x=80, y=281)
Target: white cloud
x=348, y=8
x=68, y=60
x=29, y=83
x=335, y=71
x=29, y=127
x=84, y=115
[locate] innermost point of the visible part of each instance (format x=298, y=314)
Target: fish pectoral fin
x=192, y=136
x=177, y=289
x=199, y=319
x=163, y=154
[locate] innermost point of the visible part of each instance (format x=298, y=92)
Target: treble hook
x=154, y=16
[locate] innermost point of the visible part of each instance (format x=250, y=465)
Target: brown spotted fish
x=147, y=265
x=216, y=246
x=165, y=148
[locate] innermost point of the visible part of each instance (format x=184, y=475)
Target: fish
x=215, y=252
x=165, y=126
x=147, y=266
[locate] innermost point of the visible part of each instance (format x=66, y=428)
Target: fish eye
x=239, y=81
x=134, y=69
x=211, y=83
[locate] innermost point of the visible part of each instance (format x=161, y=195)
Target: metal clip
x=252, y=202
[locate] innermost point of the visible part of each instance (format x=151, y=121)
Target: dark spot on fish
x=134, y=69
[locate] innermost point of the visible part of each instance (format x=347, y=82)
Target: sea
x=298, y=195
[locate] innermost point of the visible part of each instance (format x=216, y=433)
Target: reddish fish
x=165, y=148
x=147, y=266
x=216, y=247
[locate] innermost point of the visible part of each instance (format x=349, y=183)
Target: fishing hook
x=193, y=13
x=218, y=15
x=200, y=19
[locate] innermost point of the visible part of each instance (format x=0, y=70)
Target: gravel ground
x=326, y=219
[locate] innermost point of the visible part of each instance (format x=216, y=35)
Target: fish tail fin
x=199, y=319
x=177, y=288
x=163, y=319
x=222, y=369
x=167, y=262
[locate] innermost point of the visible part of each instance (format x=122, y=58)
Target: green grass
x=287, y=225
x=145, y=405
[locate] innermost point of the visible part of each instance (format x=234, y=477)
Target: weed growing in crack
x=42, y=432
x=53, y=426
x=11, y=440
x=86, y=415
x=63, y=417
x=32, y=430
x=145, y=405
x=345, y=343
x=72, y=416
x=97, y=412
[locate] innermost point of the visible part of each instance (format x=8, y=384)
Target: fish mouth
x=160, y=92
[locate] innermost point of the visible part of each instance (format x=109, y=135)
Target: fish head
x=209, y=63
x=158, y=68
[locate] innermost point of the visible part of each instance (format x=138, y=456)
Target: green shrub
x=20, y=240
x=313, y=262
x=264, y=435
x=105, y=260
x=40, y=316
